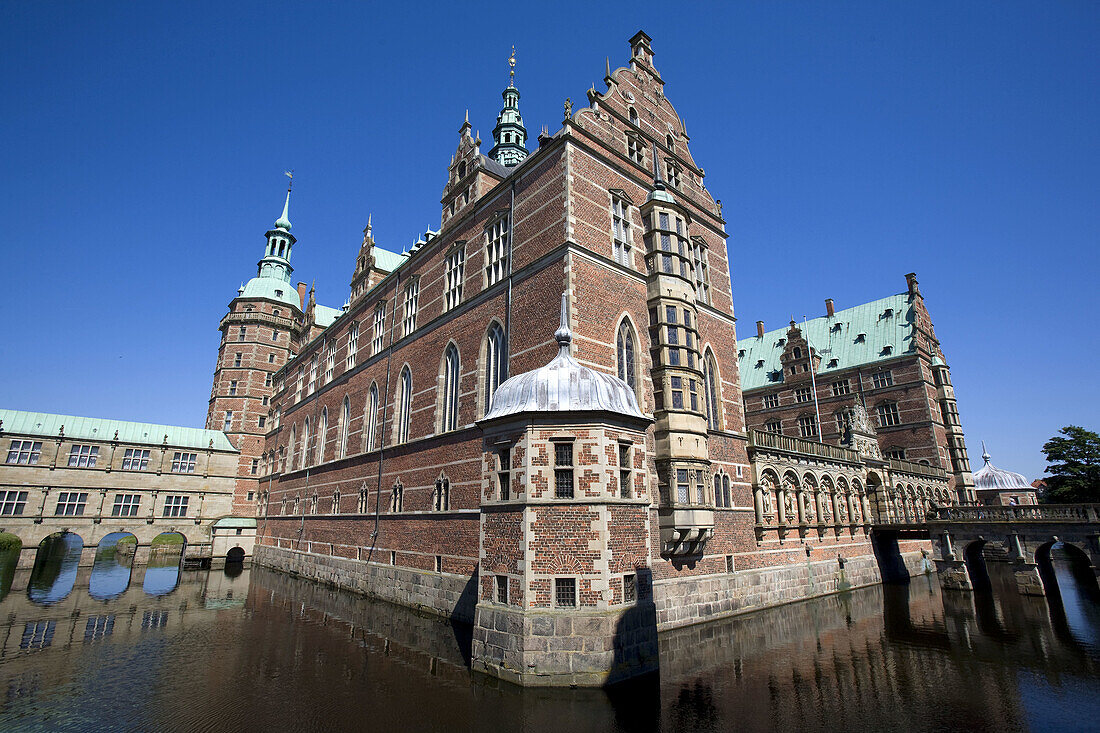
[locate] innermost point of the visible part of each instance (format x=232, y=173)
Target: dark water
x=256, y=650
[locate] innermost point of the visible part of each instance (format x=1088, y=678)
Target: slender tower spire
x=510, y=136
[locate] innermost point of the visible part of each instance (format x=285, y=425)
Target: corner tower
x=256, y=342
x=510, y=136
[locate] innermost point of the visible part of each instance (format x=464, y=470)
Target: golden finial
x=512, y=67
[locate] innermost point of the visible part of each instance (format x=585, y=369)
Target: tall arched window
x=371, y=421
x=305, y=445
x=633, y=114
x=495, y=362
x=625, y=348
x=710, y=385
x=292, y=446
x=345, y=420
x=322, y=435
x=449, y=404
x=404, y=406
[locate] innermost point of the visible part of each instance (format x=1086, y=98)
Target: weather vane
x=512, y=66
x=289, y=174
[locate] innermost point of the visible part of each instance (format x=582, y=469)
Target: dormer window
x=781, y=342
x=798, y=352
x=759, y=363
x=887, y=349
x=671, y=144
x=861, y=338
x=835, y=328
x=462, y=170
x=740, y=353
x=833, y=363
x=888, y=313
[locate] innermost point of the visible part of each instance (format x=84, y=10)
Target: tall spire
x=510, y=136
x=283, y=222
x=564, y=336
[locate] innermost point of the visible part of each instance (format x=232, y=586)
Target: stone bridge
x=966, y=537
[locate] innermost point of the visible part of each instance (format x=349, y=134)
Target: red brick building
x=567, y=530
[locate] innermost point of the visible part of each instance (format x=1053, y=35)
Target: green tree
x=1074, y=466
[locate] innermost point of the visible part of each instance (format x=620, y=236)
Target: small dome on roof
x=564, y=385
x=989, y=477
x=938, y=362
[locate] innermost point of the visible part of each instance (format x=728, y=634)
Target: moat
x=88, y=649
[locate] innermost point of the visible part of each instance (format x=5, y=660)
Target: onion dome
x=564, y=385
x=989, y=477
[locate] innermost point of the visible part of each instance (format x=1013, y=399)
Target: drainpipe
x=385, y=412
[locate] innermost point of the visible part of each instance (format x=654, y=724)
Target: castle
x=539, y=419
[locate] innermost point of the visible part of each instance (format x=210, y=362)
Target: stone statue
x=568, y=107
x=766, y=499
x=788, y=506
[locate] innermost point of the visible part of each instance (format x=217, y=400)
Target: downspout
x=385, y=412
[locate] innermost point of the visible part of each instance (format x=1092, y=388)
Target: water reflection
x=162, y=573
x=55, y=568
x=253, y=649
x=111, y=571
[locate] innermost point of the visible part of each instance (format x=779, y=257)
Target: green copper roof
x=273, y=289
x=386, y=260
x=91, y=428
x=235, y=522
x=834, y=338
x=324, y=316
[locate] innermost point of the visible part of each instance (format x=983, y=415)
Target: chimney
x=302, y=295
x=760, y=329
x=911, y=281
x=829, y=311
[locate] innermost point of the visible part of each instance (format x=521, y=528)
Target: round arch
x=55, y=567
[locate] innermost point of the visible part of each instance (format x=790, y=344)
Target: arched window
x=404, y=405
x=496, y=362
x=625, y=348
x=345, y=420
x=727, y=497
x=291, y=448
x=322, y=435
x=670, y=142
x=449, y=392
x=370, y=418
x=710, y=385
x=633, y=116
x=462, y=169
x=718, y=489
x=305, y=445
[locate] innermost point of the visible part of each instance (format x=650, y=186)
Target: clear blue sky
x=142, y=147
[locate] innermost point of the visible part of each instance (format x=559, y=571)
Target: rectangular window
x=237, y=359
x=126, y=505
x=71, y=504
x=897, y=454
x=267, y=382
x=682, y=489
x=803, y=394
x=888, y=414
x=771, y=400
x=175, y=506
x=693, y=394
x=228, y=420
x=136, y=459
x=26, y=452
x=807, y=426
x=83, y=456
x=502, y=589
x=841, y=387
x=330, y=361
x=635, y=148
x=353, y=344
x=98, y=627
x=412, y=299
x=504, y=476
x=232, y=387
x=620, y=227
x=378, y=340
x=565, y=592
x=729, y=563
x=674, y=356
x=12, y=503
x=625, y=478
x=184, y=462
x=702, y=273
x=37, y=634
x=274, y=335
x=255, y=466
x=630, y=588
x=453, y=274
x=672, y=171
x=563, y=470
x=773, y=426
x=883, y=379
x=262, y=421
x=240, y=334
x=677, y=384
x=301, y=382
x=312, y=375
x=496, y=251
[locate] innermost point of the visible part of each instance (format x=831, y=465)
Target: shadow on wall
x=463, y=615
x=635, y=642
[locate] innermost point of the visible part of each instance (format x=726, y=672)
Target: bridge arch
x=114, y=560
x=56, y=563
x=1080, y=565
x=974, y=557
x=162, y=574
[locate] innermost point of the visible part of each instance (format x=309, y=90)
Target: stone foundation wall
x=561, y=648
x=687, y=601
x=443, y=594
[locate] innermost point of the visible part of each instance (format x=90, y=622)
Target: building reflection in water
x=254, y=649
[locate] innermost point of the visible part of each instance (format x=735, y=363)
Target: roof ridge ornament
x=512, y=67
x=985, y=454
x=563, y=335
x=283, y=222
